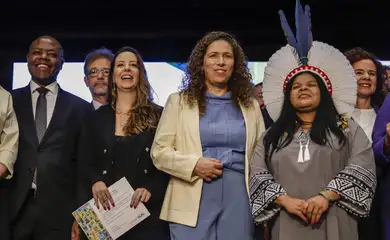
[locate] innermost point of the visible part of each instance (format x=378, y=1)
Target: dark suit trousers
x=4, y=218
x=27, y=225
x=371, y=227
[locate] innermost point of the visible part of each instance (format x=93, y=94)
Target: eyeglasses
x=94, y=72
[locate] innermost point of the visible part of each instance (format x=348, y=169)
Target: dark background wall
x=168, y=30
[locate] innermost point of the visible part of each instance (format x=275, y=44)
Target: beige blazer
x=9, y=132
x=177, y=148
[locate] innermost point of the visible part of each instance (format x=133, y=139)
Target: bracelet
x=323, y=193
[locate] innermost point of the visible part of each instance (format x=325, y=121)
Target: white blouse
x=366, y=119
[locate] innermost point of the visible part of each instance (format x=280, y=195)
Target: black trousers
x=371, y=228
x=4, y=217
x=27, y=225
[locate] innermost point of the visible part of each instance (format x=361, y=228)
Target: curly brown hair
x=357, y=54
x=144, y=113
x=193, y=87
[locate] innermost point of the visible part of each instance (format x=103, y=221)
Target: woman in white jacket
x=205, y=139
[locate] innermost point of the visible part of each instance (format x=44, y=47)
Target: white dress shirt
x=51, y=97
x=96, y=104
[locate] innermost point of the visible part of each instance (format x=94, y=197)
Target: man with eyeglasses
x=96, y=70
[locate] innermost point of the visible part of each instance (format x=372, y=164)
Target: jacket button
x=145, y=171
x=147, y=149
x=104, y=151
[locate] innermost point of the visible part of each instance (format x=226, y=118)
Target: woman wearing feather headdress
x=311, y=178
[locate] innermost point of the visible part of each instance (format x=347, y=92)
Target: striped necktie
x=40, y=119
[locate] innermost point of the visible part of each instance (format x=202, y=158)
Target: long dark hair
x=325, y=122
x=143, y=114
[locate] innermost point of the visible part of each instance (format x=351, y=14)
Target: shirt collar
x=52, y=87
x=96, y=104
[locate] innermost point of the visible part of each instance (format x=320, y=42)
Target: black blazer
x=98, y=143
x=55, y=157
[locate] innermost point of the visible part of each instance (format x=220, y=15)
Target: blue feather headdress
x=304, y=38
x=302, y=54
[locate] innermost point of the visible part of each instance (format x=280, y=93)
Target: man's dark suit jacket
x=99, y=160
x=55, y=156
x=266, y=117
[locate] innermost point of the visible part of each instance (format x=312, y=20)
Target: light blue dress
x=224, y=212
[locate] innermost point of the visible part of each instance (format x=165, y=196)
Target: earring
x=296, y=126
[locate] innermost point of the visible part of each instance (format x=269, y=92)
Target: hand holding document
x=100, y=224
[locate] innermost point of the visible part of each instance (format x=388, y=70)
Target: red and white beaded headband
x=312, y=69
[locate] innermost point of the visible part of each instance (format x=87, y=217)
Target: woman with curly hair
x=371, y=77
x=205, y=140
x=117, y=139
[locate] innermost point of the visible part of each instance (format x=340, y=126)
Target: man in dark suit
x=96, y=70
x=43, y=189
x=259, y=96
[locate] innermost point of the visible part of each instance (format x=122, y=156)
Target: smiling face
x=97, y=78
x=126, y=71
x=218, y=63
x=44, y=60
x=305, y=93
x=365, y=71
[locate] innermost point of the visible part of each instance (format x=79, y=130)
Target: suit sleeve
x=157, y=181
x=156, y=184
x=88, y=171
x=165, y=156
x=379, y=133
x=9, y=140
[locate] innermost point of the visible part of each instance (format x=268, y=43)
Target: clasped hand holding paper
x=100, y=224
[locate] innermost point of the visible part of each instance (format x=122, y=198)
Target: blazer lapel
x=139, y=141
x=251, y=131
x=250, y=123
x=108, y=133
x=108, y=129
x=61, y=110
x=27, y=117
x=192, y=122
